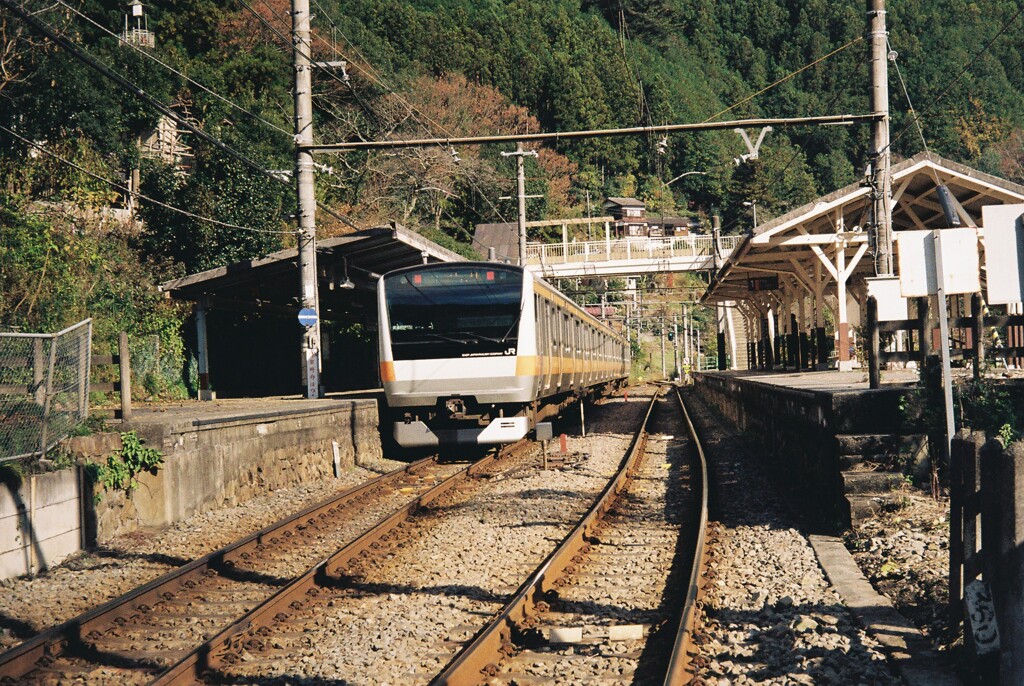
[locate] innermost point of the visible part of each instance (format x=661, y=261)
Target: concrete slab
x=905, y=645
x=831, y=381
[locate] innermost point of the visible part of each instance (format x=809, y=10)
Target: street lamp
x=752, y=205
x=668, y=183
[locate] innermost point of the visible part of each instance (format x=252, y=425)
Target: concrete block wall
x=220, y=462
x=40, y=522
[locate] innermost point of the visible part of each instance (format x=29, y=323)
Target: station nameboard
x=1004, y=252
x=763, y=283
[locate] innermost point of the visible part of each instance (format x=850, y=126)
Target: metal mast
x=881, y=155
x=309, y=298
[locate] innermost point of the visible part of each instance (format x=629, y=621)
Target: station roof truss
x=270, y=285
x=810, y=247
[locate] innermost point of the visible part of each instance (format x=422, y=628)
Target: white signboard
x=917, y=262
x=891, y=305
x=1004, y=252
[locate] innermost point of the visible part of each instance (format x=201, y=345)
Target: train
x=476, y=353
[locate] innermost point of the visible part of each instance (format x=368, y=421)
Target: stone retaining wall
x=799, y=431
x=209, y=463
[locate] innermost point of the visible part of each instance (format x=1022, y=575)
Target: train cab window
x=454, y=310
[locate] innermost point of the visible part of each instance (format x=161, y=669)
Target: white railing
x=638, y=248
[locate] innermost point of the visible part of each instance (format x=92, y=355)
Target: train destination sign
x=763, y=283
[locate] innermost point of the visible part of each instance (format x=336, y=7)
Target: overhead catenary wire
x=137, y=91
x=151, y=56
x=123, y=188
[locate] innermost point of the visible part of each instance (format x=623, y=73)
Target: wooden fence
x=123, y=385
x=986, y=554
x=967, y=337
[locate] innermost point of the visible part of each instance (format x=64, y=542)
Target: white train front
x=477, y=353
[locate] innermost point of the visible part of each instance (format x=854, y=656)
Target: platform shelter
x=245, y=314
x=787, y=272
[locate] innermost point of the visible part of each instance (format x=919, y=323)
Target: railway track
x=402, y=594
x=135, y=637
x=602, y=608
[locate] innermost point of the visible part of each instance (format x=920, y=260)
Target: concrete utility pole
x=309, y=297
x=881, y=156
x=519, y=154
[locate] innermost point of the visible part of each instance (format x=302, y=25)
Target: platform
x=840, y=444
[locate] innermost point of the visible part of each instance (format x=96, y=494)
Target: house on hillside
x=630, y=216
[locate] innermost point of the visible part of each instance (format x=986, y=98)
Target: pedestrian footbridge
x=629, y=256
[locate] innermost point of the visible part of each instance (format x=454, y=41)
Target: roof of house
x=625, y=202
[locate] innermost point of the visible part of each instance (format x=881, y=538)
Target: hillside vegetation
x=451, y=68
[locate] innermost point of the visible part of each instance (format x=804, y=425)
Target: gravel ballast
x=769, y=615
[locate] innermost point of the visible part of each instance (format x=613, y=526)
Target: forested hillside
x=449, y=68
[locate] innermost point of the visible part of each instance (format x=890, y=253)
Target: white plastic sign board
x=892, y=306
x=1004, y=252
x=917, y=262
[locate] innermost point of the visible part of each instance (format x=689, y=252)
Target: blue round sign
x=307, y=316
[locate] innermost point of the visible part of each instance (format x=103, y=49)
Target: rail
x=220, y=649
x=637, y=248
x=70, y=637
x=680, y=668
x=468, y=666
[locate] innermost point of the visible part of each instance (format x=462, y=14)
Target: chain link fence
x=44, y=388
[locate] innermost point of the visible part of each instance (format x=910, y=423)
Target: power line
x=125, y=189
x=137, y=91
x=92, y=62
x=175, y=71
x=949, y=86
x=784, y=79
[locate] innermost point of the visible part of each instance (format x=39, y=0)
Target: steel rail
x=221, y=649
x=475, y=661
x=680, y=667
x=73, y=635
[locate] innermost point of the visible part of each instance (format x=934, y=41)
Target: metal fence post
x=49, y=396
x=126, y=376
x=38, y=389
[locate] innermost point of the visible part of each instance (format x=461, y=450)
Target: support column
x=203, y=352
x=308, y=297
x=844, y=364
x=720, y=314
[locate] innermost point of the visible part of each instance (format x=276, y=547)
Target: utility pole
x=663, y=375
x=675, y=346
x=519, y=154
x=881, y=182
x=309, y=297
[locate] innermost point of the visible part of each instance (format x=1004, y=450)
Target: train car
x=478, y=352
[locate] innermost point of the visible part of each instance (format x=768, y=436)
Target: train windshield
x=454, y=311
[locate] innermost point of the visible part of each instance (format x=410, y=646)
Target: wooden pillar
x=126, y=376
x=844, y=363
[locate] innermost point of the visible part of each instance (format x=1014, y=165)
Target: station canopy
x=792, y=246
x=270, y=285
